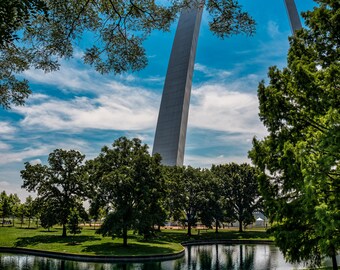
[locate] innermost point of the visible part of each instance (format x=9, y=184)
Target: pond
x=201, y=257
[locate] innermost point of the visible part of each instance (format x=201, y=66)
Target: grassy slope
x=168, y=241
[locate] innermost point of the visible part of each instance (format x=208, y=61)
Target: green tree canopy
x=299, y=159
x=38, y=33
x=15, y=205
x=213, y=211
x=5, y=206
x=9, y=206
x=239, y=191
x=61, y=182
x=48, y=211
x=30, y=207
x=73, y=222
x=187, y=187
x=128, y=179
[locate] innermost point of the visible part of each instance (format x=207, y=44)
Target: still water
x=203, y=257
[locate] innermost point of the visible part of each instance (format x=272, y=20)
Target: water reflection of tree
x=216, y=265
x=244, y=259
x=179, y=263
x=248, y=262
x=192, y=264
x=7, y=262
x=229, y=263
x=205, y=258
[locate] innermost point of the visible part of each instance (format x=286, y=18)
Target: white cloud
x=20, y=156
x=273, y=29
x=6, y=128
x=67, y=77
x=119, y=108
x=35, y=161
x=155, y=79
x=14, y=188
x=4, y=146
x=215, y=73
x=207, y=161
x=215, y=107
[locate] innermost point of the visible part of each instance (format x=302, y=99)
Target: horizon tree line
x=132, y=190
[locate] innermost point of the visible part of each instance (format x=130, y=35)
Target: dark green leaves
x=129, y=180
x=61, y=184
x=229, y=19
x=299, y=159
x=38, y=34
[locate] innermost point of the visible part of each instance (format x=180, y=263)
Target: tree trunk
x=64, y=231
x=29, y=222
x=334, y=262
x=216, y=228
x=189, y=229
x=3, y=221
x=125, y=236
x=240, y=227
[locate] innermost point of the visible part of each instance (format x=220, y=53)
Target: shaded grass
x=165, y=242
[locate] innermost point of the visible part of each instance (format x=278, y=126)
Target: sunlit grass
x=165, y=242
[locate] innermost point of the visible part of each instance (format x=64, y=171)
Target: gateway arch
x=172, y=120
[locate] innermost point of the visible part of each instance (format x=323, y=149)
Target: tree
x=5, y=204
x=213, y=208
x=14, y=15
x=48, y=213
x=21, y=213
x=30, y=209
x=129, y=180
x=73, y=222
x=15, y=206
x=9, y=206
x=299, y=159
x=37, y=34
x=240, y=191
x=187, y=192
x=61, y=182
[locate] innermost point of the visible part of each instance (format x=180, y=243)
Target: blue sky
x=77, y=108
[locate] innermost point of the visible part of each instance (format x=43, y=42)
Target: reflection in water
x=203, y=257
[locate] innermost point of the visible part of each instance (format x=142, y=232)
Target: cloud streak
x=120, y=108
x=20, y=156
x=214, y=107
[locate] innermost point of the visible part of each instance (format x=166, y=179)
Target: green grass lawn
x=166, y=242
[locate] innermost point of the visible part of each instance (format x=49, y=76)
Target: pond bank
x=132, y=258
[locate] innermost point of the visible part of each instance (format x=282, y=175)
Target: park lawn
x=166, y=242
x=87, y=242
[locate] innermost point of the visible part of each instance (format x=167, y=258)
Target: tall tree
x=48, y=211
x=21, y=211
x=30, y=209
x=37, y=34
x=73, y=222
x=5, y=206
x=128, y=179
x=299, y=159
x=187, y=193
x=15, y=205
x=240, y=191
x=9, y=206
x=62, y=182
x=212, y=211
